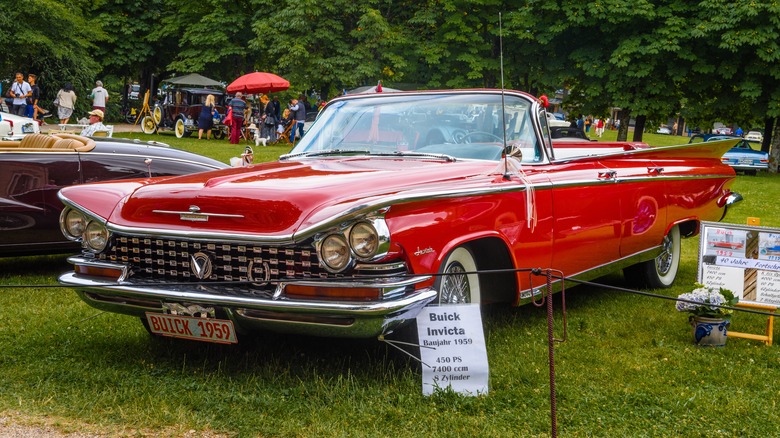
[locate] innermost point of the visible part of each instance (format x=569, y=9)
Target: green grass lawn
x=628, y=368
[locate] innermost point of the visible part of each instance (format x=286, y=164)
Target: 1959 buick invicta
x=348, y=234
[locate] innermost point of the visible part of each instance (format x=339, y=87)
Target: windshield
x=458, y=125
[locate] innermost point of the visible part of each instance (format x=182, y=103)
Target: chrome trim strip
x=368, y=209
x=198, y=214
x=381, y=267
x=155, y=157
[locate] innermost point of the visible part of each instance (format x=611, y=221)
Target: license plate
x=745, y=161
x=28, y=128
x=187, y=327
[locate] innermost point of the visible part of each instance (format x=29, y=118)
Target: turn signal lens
x=74, y=224
x=364, y=240
x=334, y=252
x=96, y=236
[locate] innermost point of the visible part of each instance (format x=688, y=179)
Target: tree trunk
x=624, y=117
x=774, y=152
x=639, y=128
x=769, y=124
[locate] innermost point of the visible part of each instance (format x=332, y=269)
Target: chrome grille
x=171, y=259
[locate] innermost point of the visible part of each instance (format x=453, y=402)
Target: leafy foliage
x=707, y=61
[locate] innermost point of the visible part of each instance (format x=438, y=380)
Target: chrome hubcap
x=664, y=261
x=455, y=286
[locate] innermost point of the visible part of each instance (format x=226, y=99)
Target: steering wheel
x=467, y=138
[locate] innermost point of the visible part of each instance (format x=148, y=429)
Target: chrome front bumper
x=354, y=319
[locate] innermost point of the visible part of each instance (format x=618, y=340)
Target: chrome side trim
x=596, y=272
x=367, y=209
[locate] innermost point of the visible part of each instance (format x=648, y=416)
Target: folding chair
x=285, y=136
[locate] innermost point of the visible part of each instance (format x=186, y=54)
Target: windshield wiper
x=328, y=152
x=444, y=157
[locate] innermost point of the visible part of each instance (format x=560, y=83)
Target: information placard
x=744, y=259
x=452, y=349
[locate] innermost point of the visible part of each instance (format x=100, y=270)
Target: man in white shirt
x=95, y=123
x=99, y=97
x=20, y=91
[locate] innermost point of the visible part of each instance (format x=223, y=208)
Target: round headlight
x=74, y=224
x=364, y=240
x=96, y=236
x=334, y=252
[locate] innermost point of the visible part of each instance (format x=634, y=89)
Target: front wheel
x=180, y=129
x=219, y=133
x=660, y=272
x=455, y=286
x=148, y=126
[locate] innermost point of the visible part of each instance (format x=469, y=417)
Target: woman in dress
x=206, y=118
x=66, y=101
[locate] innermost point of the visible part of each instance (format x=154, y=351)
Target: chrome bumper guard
x=354, y=319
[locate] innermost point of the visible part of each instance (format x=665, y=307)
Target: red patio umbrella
x=258, y=82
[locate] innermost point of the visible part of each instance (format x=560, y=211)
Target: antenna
x=503, y=112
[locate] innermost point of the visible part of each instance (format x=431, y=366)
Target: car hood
x=279, y=199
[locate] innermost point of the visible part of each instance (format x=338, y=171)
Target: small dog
x=259, y=140
x=256, y=133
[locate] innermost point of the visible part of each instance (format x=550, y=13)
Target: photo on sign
x=726, y=242
x=769, y=246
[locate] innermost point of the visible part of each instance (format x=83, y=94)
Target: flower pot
x=709, y=332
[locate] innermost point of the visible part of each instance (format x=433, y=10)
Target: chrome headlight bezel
x=353, y=236
x=96, y=236
x=333, y=259
x=73, y=224
x=376, y=230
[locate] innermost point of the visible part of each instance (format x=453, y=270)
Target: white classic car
x=13, y=127
x=754, y=136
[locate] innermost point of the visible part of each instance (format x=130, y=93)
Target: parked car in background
x=179, y=111
x=722, y=130
x=742, y=157
x=755, y=136
x=13, y=127
x=568, y=133
x=347, y=234
x=663, y=129
x=34, y=169
x=554, y=121
x=135, y=91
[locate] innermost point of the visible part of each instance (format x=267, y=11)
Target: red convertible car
x=389, y=203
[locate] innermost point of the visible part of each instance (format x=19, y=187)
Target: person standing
x=32, y=105
x=299, y=115
x=99, y=97
x=269, y=122
x=206, y=117
x=277, y=108
x=600, y=127
x=65, y=101
x=20, y=91
x=239, y=107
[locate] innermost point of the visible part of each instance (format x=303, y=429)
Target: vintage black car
x=179, y=109
x=33, y=170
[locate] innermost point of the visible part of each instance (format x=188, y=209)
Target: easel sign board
x=743, y=259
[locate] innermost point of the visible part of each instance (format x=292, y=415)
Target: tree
x=55, y=40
